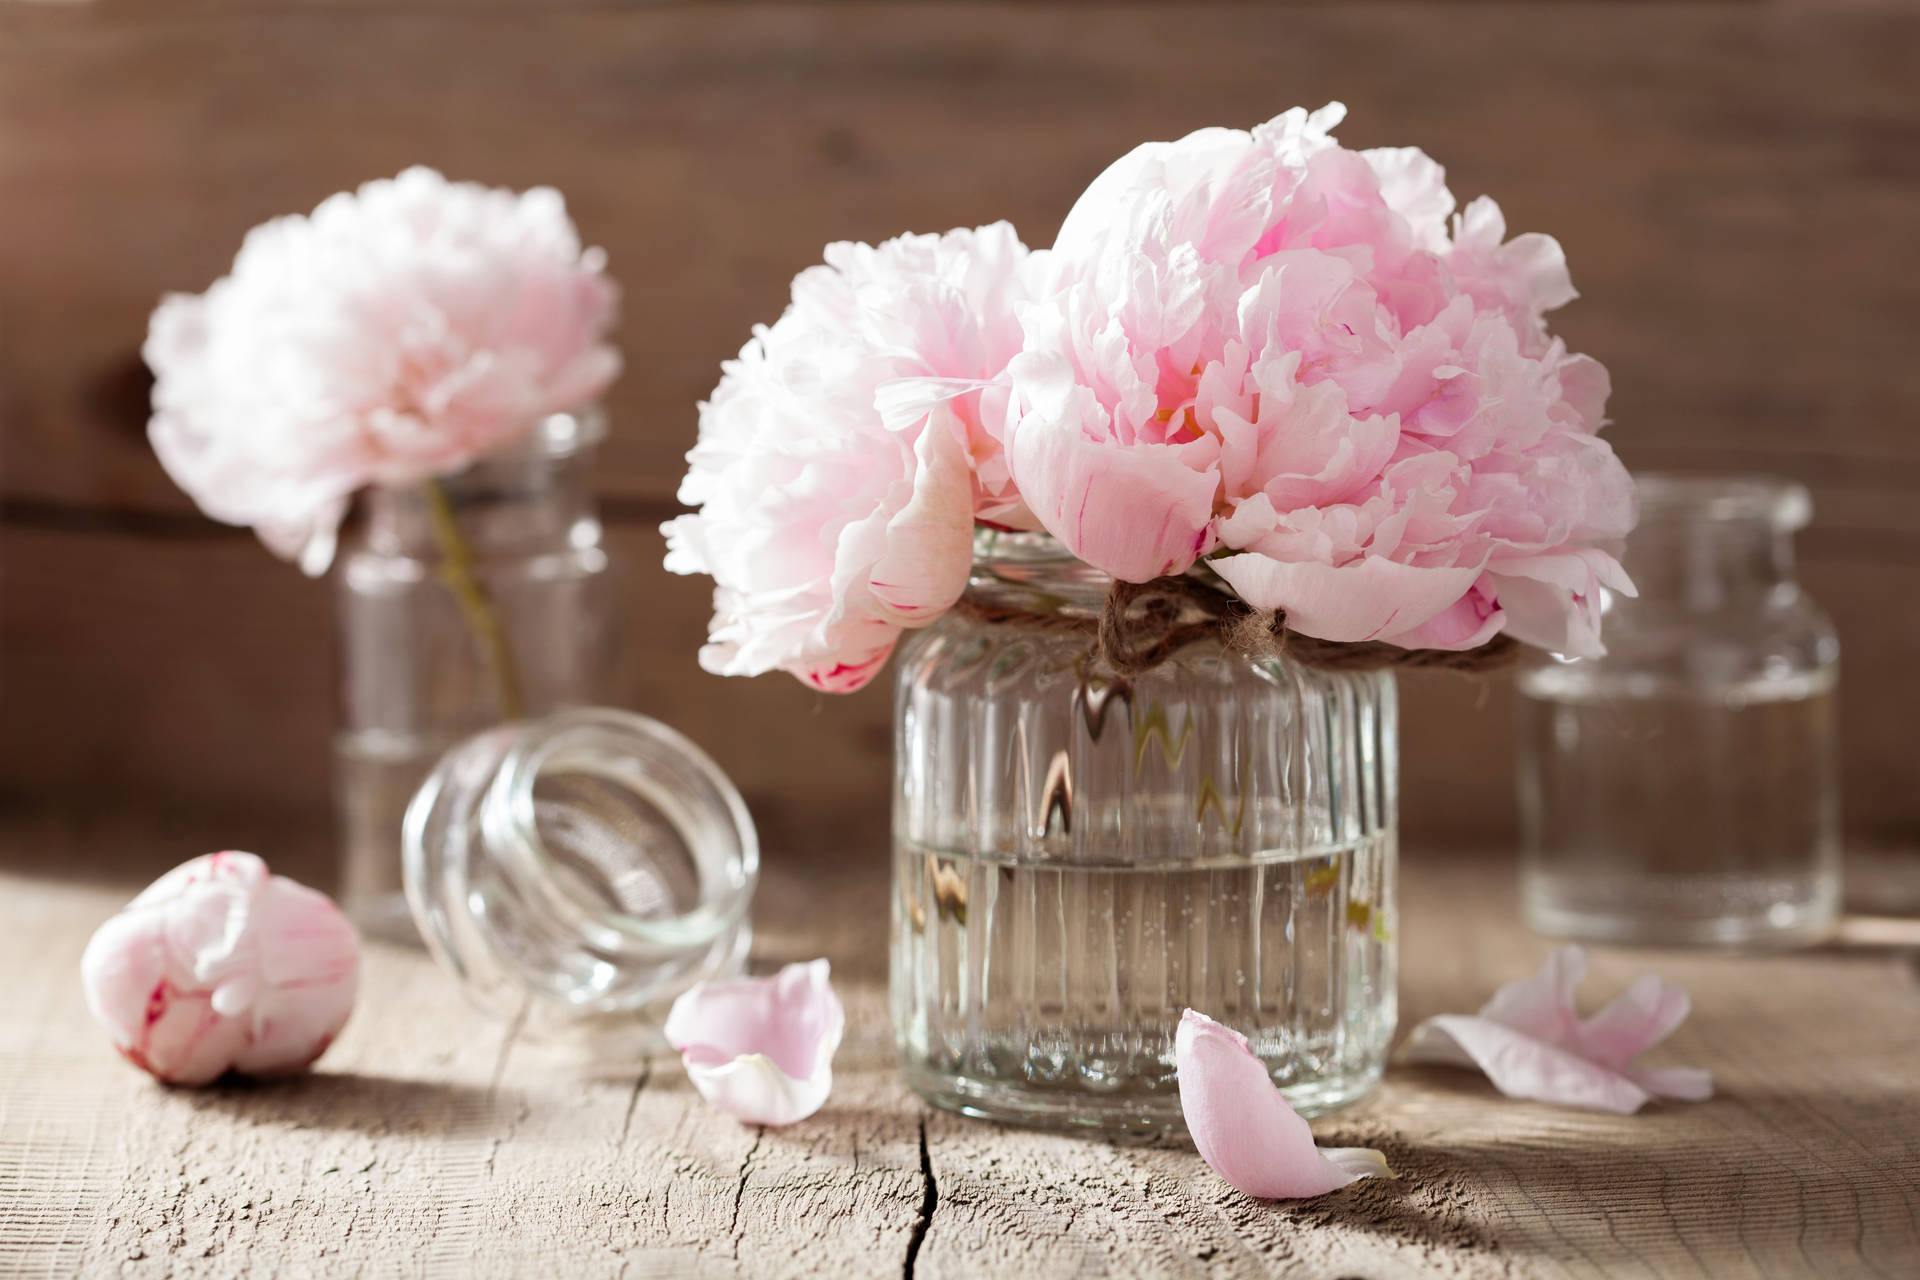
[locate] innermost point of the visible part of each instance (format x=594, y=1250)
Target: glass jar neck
x=532, y=496
x=1704, y=545
x=594, y=860
x=1033, y=571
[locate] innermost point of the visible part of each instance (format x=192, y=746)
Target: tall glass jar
x=1684, y=788
x=1078, y=857
x=478, y=598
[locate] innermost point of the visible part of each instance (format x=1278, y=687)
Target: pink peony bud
x=220, y=966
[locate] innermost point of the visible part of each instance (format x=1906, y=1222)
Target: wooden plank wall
x=1737, y=184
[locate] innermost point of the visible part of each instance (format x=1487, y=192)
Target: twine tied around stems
x=1142, y=624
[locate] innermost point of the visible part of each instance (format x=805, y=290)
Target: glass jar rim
x=573, y=741
x=1779, y=503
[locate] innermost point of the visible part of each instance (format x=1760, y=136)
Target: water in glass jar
x=1048, y=992
x=1662, y=812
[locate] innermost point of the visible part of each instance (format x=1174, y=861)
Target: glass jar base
x=1770, y=916
x=1142, y=1112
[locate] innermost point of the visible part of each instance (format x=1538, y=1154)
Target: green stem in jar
x=476, y=606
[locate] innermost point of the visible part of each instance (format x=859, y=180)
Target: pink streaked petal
x=929, y=541
x=1467, y=623
x=1521, y=1066
x=1532, y=1043
x=1370, y=599
x=1243, y=1126
x=761, y=1049
x=1641, y=1017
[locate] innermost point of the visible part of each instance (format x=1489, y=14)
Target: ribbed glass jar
x=418, y=675
x=1079, y=857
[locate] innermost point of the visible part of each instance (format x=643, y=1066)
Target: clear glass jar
x=419, y=669
x=1684, y=789
x=1079, y=857
x=576, y=870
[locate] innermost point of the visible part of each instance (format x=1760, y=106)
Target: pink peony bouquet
x=395, y=335
x=1256, y=356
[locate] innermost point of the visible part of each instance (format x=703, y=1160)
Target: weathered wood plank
x=230, y=747
x=1732, y=181
x=428, y=1145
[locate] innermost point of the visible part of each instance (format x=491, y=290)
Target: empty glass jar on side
x=1684, y=789
x=1079, y=857
x=578, y=871
x=416, y=674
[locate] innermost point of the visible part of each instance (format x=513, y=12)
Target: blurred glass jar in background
x=1684, y=788
x=481, y=598
x=580, y=869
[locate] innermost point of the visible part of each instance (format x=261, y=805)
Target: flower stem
x=483, y=620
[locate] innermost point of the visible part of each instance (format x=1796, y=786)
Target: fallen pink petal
x=221, y=966
x=1243, y=1125
x=761, y=1049
x=1532, y=1043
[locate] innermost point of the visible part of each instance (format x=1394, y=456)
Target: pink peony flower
x=846, y=453
x=396, y=333
x=1267, y=351
x=1532, y=1043
x=761, y=1049
x=1243, y=1125
x=219, y=966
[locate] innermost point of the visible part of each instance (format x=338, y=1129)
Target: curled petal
x=1370, y=599
x=1134, y=511
x=1532, y=1043
x=761, y=1049
x=1243, y=1126
x=1523, y=1067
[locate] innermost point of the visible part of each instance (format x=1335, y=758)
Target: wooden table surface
x=432, y=1142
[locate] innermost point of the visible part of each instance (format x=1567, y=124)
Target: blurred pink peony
x=1266, y=350
x=219, y=966
x=846, y=453
x=396, y=333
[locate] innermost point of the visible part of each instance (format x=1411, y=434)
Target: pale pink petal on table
x=1521, y=1066
x=1243, y=1125
x=761, y=1049
x=1532, y=1043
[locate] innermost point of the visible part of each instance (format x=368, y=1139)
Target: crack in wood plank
x=633, y=1099
x=930, y=1202
x=740, y=1191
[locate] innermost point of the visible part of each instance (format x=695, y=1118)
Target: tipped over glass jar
x=578, y=871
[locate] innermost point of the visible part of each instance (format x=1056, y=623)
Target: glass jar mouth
x=593, y=860
x=1780, y=504
x=664, y=771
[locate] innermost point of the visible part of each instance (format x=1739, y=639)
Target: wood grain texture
x=1735, y=184
x=1731, y=182
x=230, y=745
x=435, y=1143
